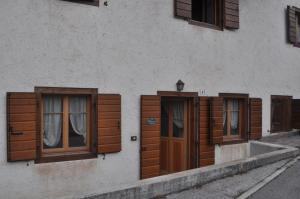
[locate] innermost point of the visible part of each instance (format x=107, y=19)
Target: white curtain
x=178, y=114
x=52, y=120
x=78, y=115
x=235, y=114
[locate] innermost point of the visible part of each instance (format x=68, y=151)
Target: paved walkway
x=289, y=139
x=230, y=187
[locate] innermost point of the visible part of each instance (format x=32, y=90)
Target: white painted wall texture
x=131, y=47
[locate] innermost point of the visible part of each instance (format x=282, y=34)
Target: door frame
x=191, y=97
x=288, y=122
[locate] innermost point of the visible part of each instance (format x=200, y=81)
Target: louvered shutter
x=150, y=136
x=292, y=30
x=207, y=151
x=255, y=118
x=296, y=113
x=183, y=9
x=21, y=126
x=109, y=123
x=216, y=120
x=231, y=14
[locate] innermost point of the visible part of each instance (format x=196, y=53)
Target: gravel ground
x=229, y=187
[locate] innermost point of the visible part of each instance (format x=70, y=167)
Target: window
x=67, y=123
x=235, y=116
x=293, y=15
x=60, y=124
x=65, y=126
x=232, y=117
x=207, y=11
x=215, y=14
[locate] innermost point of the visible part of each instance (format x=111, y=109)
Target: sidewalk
x=230, y=187
x=287, y=138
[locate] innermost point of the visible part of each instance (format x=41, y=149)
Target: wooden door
x=173, y=149
x=280, y=113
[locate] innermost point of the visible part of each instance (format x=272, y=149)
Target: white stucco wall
x=131, y=47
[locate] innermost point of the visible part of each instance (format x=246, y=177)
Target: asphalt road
x=285, y=186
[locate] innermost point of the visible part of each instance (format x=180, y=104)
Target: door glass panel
x=164, y=119
x=178, y=118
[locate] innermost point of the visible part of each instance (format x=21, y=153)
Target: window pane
x=178, y=118
x=77, y=121
x=298, y=29
x=234, y=124
x=52, y=137
x=225, y=117
x=164, y=119
x=204, y=11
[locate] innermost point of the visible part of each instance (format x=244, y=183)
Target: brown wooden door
x=280, y=113
x=173, y=147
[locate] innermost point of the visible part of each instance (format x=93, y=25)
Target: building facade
x=89, y=95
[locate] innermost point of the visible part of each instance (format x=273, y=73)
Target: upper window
x=65, y=126
x=216, y=14
x=207, y=11
x=293, y=14
x=298, y=28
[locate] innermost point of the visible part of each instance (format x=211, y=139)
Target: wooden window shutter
x=183, y=9
x=109, y=123
x=207, y=151
x=255, y=118
x=21, y=126
x=292, y=26
x=216, y=120
x=150, y=136
x=231, y=14
x=296, y=113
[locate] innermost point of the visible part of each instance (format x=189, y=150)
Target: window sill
x=206, y=25
x=92, y=3
x=60, y=157
x=228, y=141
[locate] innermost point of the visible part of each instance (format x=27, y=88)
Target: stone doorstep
x=163, y=185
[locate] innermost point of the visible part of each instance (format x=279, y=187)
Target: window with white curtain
x=65, y=123
x=232, y=117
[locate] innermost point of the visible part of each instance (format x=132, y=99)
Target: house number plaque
x=151, y=121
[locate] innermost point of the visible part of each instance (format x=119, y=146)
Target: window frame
x=244, y=118
x=53, y=155
x=209, y=25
